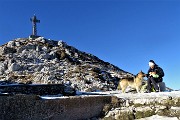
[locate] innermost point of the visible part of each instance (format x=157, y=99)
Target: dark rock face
x=37, y=89
x=43, y=61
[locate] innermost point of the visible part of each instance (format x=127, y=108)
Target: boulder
x=17, y=44
x=11, y=44
x=14, y=67
x=3, y=67
x=7, y=50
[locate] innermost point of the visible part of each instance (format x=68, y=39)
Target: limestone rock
x=47, y=61
x=11, y=44
x=141, y=105
x=7, y=50
x=14, y=67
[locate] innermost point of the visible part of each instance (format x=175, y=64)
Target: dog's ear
x=142, y=72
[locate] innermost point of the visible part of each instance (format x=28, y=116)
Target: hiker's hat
x=151, y=63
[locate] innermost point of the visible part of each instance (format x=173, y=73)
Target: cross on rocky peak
x=34, y=20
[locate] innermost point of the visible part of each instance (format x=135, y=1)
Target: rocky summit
x=45, y=61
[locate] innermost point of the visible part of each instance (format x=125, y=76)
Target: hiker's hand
x=152, y=73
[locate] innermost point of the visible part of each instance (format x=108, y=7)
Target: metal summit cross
x=34, y=20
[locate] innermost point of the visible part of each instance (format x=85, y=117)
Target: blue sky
x=126, y=33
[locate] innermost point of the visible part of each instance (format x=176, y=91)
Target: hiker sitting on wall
x=154, y=75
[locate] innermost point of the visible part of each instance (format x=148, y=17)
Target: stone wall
x=28, y=107
x=126, y=106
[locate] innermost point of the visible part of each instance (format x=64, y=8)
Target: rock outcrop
x=43, y=61
x=135, y=106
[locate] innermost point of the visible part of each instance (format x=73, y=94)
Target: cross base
x=34, y=36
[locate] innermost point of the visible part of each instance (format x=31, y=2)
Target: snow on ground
x=149, y=95
x=121, y=95
x=157, y=117
x=53, y=97
x=135, y=95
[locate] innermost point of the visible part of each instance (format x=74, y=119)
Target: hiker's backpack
x=161, y=72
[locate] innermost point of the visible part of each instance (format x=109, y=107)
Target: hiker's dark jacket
x=157, y=70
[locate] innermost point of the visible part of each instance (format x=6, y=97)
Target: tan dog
x=135, y=82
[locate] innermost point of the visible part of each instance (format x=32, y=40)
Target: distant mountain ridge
x=45, y=61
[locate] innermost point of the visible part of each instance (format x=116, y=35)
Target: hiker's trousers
x=152, y=81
